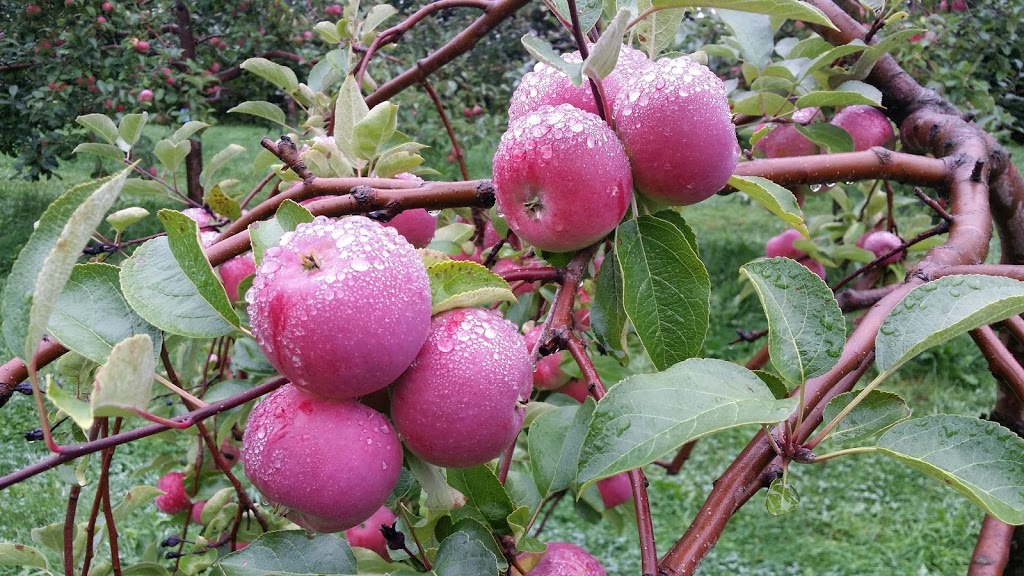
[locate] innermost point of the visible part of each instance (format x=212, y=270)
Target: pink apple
x=782, y=245
x=460, y=404
x=615, y=490
x=868, y=126
x=785, y=140
x=333, y=10
x=234, y=271
x=565, y=559
x=368, y=534
x=200, y=216
x=562, y=178
x=145, y=95
x=340, y=307
x=33, y=10
x=958, y=6
x=174, y=499
x=548, y=374
x=416, y=225
x=549, y=86
x=101, y=20
x=197, y=512
x=880, y=243
x=814, y=266
x=477, y=110
x=675, y=123
x=107, y=7
x=577, y=389
x=332, y=462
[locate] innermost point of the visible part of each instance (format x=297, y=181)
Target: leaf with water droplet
x=461, y=284
x=876, y=413
x=291, y=552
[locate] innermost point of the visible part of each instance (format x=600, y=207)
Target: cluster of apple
x=867, y=126
x=342, y=308
x=559, y=163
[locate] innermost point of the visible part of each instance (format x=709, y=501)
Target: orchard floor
x=859, y=515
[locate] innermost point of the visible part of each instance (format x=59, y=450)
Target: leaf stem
x=180, y=392
x=838, y=453
x=846, y=411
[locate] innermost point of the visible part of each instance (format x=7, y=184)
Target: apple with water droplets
x=676, y=126
x=561, y=178
x=785, y=140
x=368, y=533
x=460, y=404
x=867, y=125
x=340, y=307
x=234, y=271
x=333, y=463
x=562, y=559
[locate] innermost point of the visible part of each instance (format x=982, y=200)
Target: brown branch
x=851, y=300
x=69, y=530
x=938, y=229
x=993, y=548
x=672, y=468
x=581, y=45
x=848, y=167
x=456, y=149
x=252, y=194
x=286, y=150
x=543, y=274
x=1001, y=362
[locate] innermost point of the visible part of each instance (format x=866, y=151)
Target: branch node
x=485, y=193
x=363, y=195
x=979, y=166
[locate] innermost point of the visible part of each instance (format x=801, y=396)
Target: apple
x=548, y=375
x=880, y=243
x=200, y=216
x=174, y=499
x=333, y=10
x=477, y=110
x=234, y=271
x=958, y=6
x=782, y=245
x=467, y=112
x=675, y=123
x=101, y=20
x=142, y=46
x=615, y=490
x=561, y=178
x=785, y=140
x=145, y=95
x=332, y=462
x=340, y=307
x=368, y=534
x=549, y=86
x=33, y=10
x=577, y=389
x=417, y=225
x=107, y=7
x=565, y=559
x=814, y=266
x=868, y=126
x=460, y=404
x=197, y=512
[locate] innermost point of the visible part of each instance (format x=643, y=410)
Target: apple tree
x=403, y=394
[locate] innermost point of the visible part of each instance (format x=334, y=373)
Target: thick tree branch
x=848, y=167
x=992, y=550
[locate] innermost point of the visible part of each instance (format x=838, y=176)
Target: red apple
x=197, y=512
x=868, y=126
x=234, y=271
x=200, y=216
x=107, y=7
x=142, y=46
x=814, y=266
x=368, y=534
x=33, y=10
x=333, y=10
x=416, y=225
x=174, y=499
x=548, y=375
x=561, y=178
x=615, y=490
x=880, y=243
x=565, y=559
x=145, y=95
x=101, y=20
x=782, y=245
x=577, y=389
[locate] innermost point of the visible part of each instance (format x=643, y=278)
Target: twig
x=581, y=45
x=456, y=149
x=940, y=228
x=672, y=468
x=931, y=203
x=252, y=194
x=108, y=512
x=748, y=335
x=288, y=153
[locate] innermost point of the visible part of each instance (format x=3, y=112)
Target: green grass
x=858, y=515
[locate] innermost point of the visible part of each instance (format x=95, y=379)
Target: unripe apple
x=880, y=243
x=549, y=86
x=340, y=307
x=565, y=559
x=460, y=404
x=782, y=245
x=332, y=462
x=868, y=126
x=548, y=374
x=561, y=178
x=174, y=499
x=368, y=535
x=234, y=271
x=145, y=95
x=615, y=490
x=675, y=123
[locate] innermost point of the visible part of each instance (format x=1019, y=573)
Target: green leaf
x=658, y=30
x=763, y=103
x=477, y=531
x=806, y=330
x=978, y=458
x=754, y=34
x=46, y=261
x=183, y=240
x=831, y=138
x=838, y=98
x=291, y=552
x=218, y=161
x=463, y=555
x=647, y=416
x=171, y=154
x=555, y=440
x=187, y=130
x=265, y=110
x=136, y=498
x=267, y=233
x=790, y=9
x=377, y=15
x=100, y=125
x=101, y=150
x=281, y=76
x=486, y=499
x=605, y=52
x=937, y=311
x=125, y=382
x=440, y=495
x=876, y=413
x=461, y=284
x=398, y=162
x=776, y=199
x=373, y=131
x=873, y=54
x=144, y=187
x=543, y=52
x=92, y=315
x=78, y=410
x=349, y=110
x=130, y=128
x=329, y=32
x=666, y=289
x=607, y=315
x=781, y=498
x=122, y=219
x=222, y=203
x=156, y=287
x=589, y=12
x=21, y=555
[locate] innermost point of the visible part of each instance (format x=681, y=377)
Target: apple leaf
x=440, y=495
x=776, y=199
x=462, y=554
x=781, y=498
x=978, y=458
x=101, y=126
x=125, y=382
x=555, y=440
x=267, y=233
x=221, y=203
x=831, y=138
x=136, y=498
x=607, y=315
x=377, y=16
x=763, y=103
x=291, y=552
x=605, y=52
x=645, y=417
x=12, y=554
x=806, y=330
x=45, y=263
x=543, y=52
x=281, y=76
x=477, y=531
x=486, y=499
x=873, y=54
x=839, y=98
x=130, y=128
x=876, y=413
x=461, y=283
x=658, y=30
x=101, y=150
x=375, y=130
x=261, y=109
x=187, y=130
x=122, y=219
x=143, y=187
x=666, y=289
x=92, y=330
x=754, y=34
x=218, y=161
x=937, y=311
x=349, y=110
x=790, y=9
x=589, y=12
x=171, y=154
x=78, y=410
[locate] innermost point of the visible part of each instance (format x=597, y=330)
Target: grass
x=858, y=515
